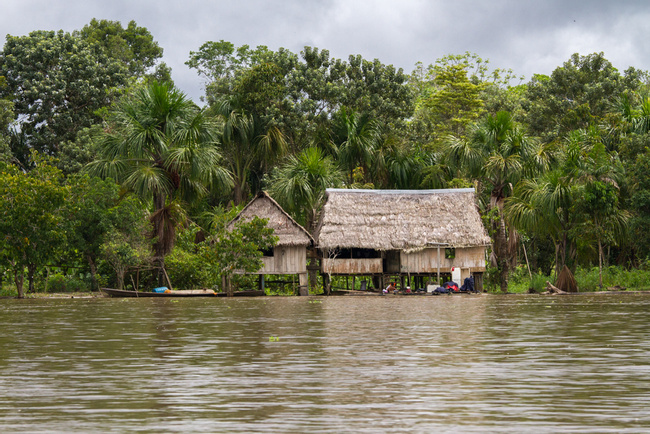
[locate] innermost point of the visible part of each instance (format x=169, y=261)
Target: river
x=470, y=363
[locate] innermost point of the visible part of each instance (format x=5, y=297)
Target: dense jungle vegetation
x=110, y=175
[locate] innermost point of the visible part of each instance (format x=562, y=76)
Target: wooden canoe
x=178, y=293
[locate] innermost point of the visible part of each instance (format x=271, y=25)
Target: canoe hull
x=121, y=293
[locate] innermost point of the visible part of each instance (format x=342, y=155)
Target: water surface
x=338, y=364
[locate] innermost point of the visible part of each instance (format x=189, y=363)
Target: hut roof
x=409, y=220
x=288, y=231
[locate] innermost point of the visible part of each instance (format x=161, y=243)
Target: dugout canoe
x=121, y=293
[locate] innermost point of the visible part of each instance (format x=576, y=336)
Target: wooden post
x=225, y=282
x=326, y=284
x=478, y=282
x=261, y=283
x=438, y=265
x=312, y=270
x=304, y=287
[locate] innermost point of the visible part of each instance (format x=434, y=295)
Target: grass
x=587, y=278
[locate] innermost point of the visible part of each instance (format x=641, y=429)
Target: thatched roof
x=288, y=231
x=407, y=220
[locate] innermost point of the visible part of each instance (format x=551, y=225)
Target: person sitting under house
x=390, y=288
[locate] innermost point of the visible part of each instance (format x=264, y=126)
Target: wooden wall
x=351, y=266
x=285, y=260
x=426, y=261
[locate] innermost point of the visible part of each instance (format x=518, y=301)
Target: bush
x=187, y=270
x=520, y=281
x=587, y=278
x=8, y=291
x=59, y=283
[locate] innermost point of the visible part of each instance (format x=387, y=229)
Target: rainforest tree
x=56, y=82
x=163, y=148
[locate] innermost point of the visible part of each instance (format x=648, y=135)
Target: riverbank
x=88, y=295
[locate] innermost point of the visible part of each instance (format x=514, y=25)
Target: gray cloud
x=529, y=37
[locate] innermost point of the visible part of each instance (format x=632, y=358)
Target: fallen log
x=553, y=290
x=616, y=288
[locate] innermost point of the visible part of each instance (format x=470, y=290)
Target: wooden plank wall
x=426, y=261
x=351, y=266
x=285, y=260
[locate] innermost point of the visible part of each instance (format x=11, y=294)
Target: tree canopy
x=559, y=162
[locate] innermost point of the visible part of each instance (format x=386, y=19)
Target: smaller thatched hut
x=289, y=256
x=402, y=233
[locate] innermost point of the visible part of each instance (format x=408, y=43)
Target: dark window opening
x=450, y=253
x=268, y=252
x=355, y=254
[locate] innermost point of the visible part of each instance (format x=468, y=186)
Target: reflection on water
x=339, y=364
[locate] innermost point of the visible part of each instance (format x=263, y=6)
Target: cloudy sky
x=528, y=36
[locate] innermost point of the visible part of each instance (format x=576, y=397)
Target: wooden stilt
x=304, y=286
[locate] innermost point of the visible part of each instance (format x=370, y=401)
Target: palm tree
x=355, y=141
x=544, y=205
x=600, y=175
x=248, y=145
x=162, y=147
x=299, y=184
x=497, y=154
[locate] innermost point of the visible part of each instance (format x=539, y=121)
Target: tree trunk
x=120, y=278
x=238, y=192
x=31, y=270
x=502, y=253
x=600, y=263
x=159, y=252
x=18, y=280
x=93, y=273
x=159, y=262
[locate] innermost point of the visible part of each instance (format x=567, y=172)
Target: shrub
x=587, y=278
x=57, y=283
x=520, y=281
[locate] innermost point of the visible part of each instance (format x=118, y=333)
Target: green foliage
x=95, y=210
x=239, y=248
x=161, y=147
x=31, y=218
x=124, y=252
x=6, y=117
x=299, y=184
x=298, y=95
x=74, y=155
x=520, y=281
x=355, y=141
x=455, y=92
x=293, y=122
x=59, y=283
x=576, y=95
x=454, y=104
x=588, y=278
x=249, y=146
x=56, y=81
x=133, y=46
x=186, y=262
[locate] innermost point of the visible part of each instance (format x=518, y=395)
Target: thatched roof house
x=289, y=256
x=402, y=232
x=288, y=231
x=406, y=220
